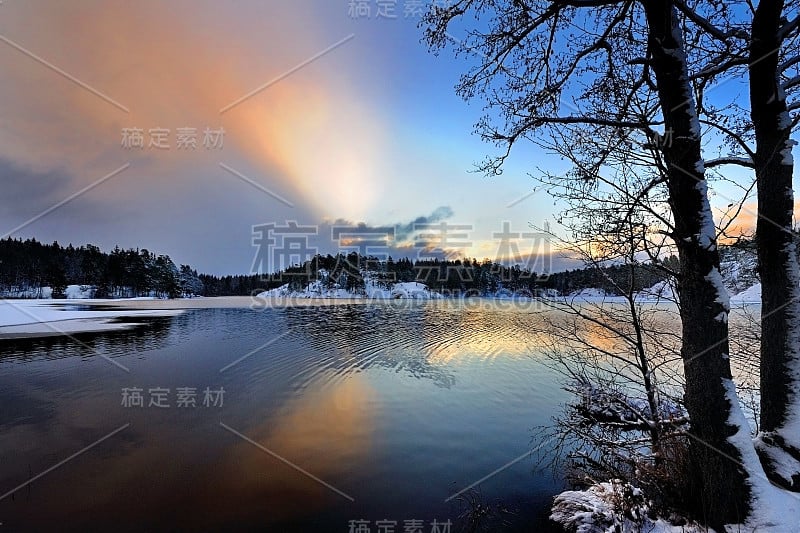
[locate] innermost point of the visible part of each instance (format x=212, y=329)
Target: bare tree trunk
x=717, y=447
x=777, y=256
x=644, y=364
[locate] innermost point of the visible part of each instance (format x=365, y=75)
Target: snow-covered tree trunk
x=779, y=443
x=717, y=447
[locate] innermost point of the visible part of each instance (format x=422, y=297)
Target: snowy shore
x=39, y=318
x=45, y=317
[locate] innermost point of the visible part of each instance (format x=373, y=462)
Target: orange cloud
x=744, y=223
x=307, y=136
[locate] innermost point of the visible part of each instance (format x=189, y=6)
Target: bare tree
x=621, y=357
x=622, y=363
x=553, y=64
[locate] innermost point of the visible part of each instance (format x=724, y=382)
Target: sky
x=302, y=112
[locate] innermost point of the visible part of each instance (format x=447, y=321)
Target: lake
x=299, y=418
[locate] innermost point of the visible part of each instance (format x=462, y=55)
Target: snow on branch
x=617, y=409
x=741, y=161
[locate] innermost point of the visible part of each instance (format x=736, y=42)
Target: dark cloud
x=343, y=235
x=42, y=204
x=332, y=233
x=404, y=231
x=400, y=231
x=398, y=240
x=26, y=192
x=207, y=225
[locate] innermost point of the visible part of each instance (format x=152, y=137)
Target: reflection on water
x=397, y=407
x=328, y=431
x=149, y=336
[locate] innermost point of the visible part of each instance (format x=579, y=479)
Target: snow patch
x=413, y=290
x=34, y=318
x=786, y=153
x=748, y=296
x=662, y=290
x=79, y=292
x=612, y=506
x=715, y=278
x=318, y=289
x=615, y=406
x=589, y=293
x=773, y=509
x=708, y=230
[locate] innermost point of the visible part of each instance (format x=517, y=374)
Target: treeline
x=28, y=267
x=351, y=271
x=239, y=285
x=464, y=276
x=612, y=279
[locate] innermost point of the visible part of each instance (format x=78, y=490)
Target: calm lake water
x=329, y=414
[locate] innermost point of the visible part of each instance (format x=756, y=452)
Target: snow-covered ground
x=80, y=312
x=316, y=289
x=618, y=506
x=326, y=287
x=588, y=294
x=611, y=506
x=35, y=318
x=79, y=292
x=662, y=291
x=748, y=296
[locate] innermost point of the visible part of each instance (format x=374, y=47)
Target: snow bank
x=751, y=295
x=34, y=318
x=611, y=506
x=314, y=290
x=588, y=293
x=413, y=290
x=317, y=289
x=79, y=292
x=774, y=510
x=663, y=290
